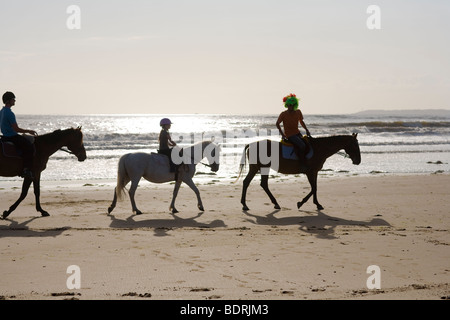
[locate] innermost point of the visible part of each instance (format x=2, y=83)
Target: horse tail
x=243, y=162
x=122, y=176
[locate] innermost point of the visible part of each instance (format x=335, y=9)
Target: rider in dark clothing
x=166, y=142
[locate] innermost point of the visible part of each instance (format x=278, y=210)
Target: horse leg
x=37, y=194
x=174, y=196
x=312, y=178
x=314, y=184
x=25, y=186
x=116, y=196
x=250, y=175
x=191, y=184
x=114, y=202
x=265, y=186
x=132, y=192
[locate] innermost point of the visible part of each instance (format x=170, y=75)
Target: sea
x=391, y=142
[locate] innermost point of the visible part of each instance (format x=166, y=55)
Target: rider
x=290, y=119
x=165, y=141
x=10, y=131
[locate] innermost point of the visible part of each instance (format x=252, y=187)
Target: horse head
x=352, y=149
x=212, y=153
x=75, y=143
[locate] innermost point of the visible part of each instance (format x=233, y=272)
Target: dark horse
x=323, y=148
x=45, y=146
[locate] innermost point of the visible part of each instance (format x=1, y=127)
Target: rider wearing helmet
x=165, y=141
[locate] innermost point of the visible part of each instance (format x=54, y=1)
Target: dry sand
x=399, y=223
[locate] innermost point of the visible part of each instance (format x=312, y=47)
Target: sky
x=226, y=57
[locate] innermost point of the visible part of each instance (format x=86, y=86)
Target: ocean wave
x=387, y=144
x=372, y=127
x=377, y=127
x=423, y=143
x=391, y=124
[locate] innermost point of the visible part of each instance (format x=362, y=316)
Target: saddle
x=172, y=166
x=10, y=150
x=288, y=152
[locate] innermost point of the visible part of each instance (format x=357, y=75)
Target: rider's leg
x=299, y=145
x=27, y=150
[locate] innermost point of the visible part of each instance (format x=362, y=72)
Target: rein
x=344, y=154
x=66, y=150
x=205, y=164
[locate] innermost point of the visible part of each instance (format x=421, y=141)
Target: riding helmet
x=165, y=121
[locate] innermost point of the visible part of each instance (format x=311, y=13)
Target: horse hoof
x=201, y=208
x=6, y=214
x=138, y=212
x=277, y=206
x=319, y=207
x=299, y=204
x=245, y=208
x=174, y=210
x=45, y=214
x=110, y=209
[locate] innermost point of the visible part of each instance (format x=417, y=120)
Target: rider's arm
x=304, y=126
x=170, y=141
x=279, y=127
x=20, y=130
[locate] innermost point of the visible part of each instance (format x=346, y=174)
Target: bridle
x=67, y=150
x=70, y=152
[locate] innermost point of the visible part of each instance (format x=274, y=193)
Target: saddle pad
x=288, y=152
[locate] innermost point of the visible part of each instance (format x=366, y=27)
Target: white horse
x=155, y=168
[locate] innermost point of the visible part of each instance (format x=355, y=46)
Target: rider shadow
x=323, y=226
x=162, y=226
x=16, y=229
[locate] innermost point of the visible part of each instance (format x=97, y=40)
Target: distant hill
x=405, y=113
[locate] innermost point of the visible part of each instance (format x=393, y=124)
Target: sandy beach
x=398, y=223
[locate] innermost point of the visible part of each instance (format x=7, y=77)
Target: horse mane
x=55, y=136
x=328, y=138
x=340, y=136
x=204, y=143
x=192, y=149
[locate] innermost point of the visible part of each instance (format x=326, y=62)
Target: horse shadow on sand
x=318, y=223
x=162, y=226
x=21, y=229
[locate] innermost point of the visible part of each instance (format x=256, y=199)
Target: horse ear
x=355, y=135
x=79, y=128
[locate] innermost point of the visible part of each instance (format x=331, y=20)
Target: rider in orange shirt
x=290, y=119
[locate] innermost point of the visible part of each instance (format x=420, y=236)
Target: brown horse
x=323, y=148
x=45, y=146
